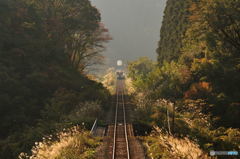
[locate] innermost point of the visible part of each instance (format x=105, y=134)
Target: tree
x=168, y=81
x=87, y=47
x=174, y=25
x=138, y=71
x=37, y=41
x=210, y=50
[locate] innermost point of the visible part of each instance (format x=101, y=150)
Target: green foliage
x=45, y=46
x=198, y=70
x=191, y=126
x=169, y=80
x=209, y=50
x=173, y=28
x=212, y=37
x=140, y=68
x=138, y=71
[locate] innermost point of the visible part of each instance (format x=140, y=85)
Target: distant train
x=120, y=75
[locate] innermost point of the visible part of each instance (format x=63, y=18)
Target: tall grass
x=73, y=143
x=165, y=146
x=109, y=80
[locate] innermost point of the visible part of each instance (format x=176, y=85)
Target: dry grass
x=69, y=144
x=164, y=146
x=109, y=80
x=129, y=86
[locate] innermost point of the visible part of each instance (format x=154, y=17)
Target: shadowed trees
x=45, y=47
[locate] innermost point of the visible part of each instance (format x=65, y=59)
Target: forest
x=193, y=90
x=46, y=48
x=173, y=27
x=208, y=58
x=188, y=97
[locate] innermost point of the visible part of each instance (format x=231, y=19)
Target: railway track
x=120, y=142
x=120, y=148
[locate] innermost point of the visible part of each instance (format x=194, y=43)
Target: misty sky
x=134, y=26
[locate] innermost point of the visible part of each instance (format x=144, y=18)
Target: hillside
x=193, y=92
x=45, y=50
x=174, y=25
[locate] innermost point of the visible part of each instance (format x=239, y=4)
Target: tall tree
x=174, y=25
x=37, y=42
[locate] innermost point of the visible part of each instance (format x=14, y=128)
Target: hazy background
x=134, y=26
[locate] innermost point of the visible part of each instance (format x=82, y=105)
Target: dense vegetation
x=194, y=89
x=208, y=60
x=45, y=48
x=73, y=143
x=174, y=26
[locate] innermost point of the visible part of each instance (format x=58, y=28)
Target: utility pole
x=168, y=123
x=173, y=118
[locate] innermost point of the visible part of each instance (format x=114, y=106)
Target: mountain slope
x=173, y=28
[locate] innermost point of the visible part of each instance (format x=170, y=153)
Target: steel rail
x=125, y=125
x=115, y=126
